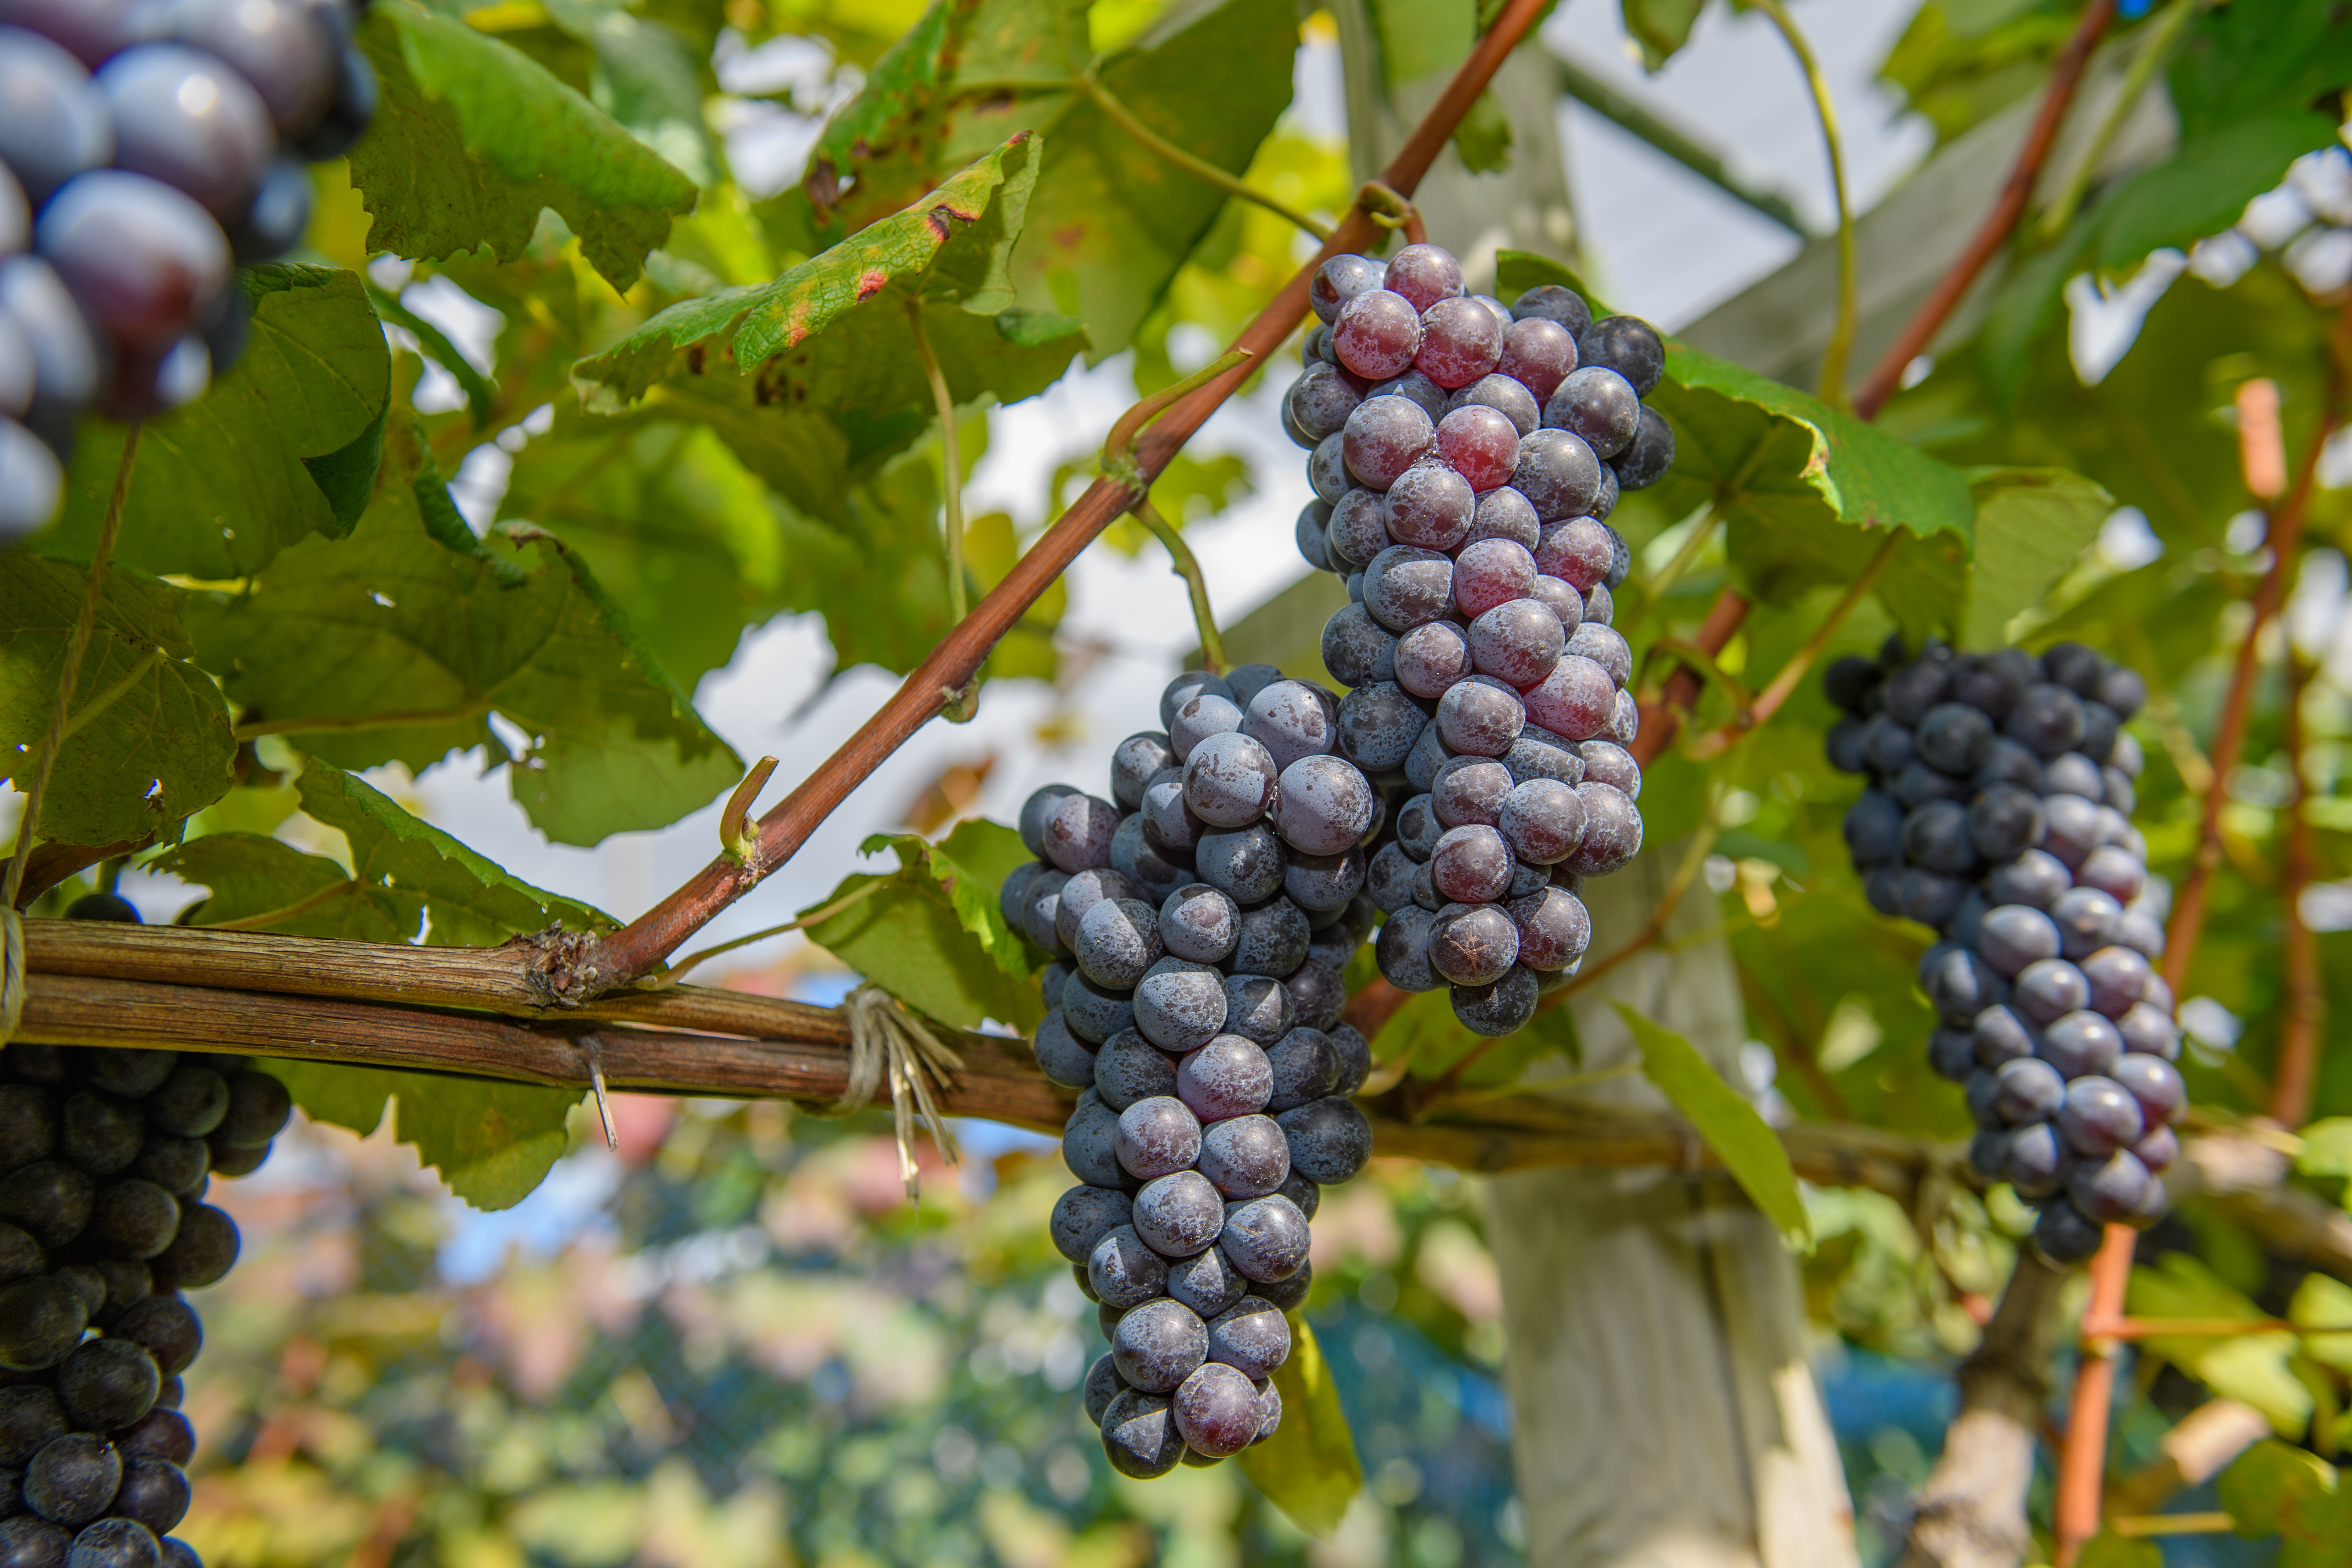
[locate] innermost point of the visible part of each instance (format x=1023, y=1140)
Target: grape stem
x=566, y=972
x=77, y=649
x=2306, y=994
x=1185, y=564
x=1391, y=210
x=1849, y=298
x=951, y=469
x=818, y=916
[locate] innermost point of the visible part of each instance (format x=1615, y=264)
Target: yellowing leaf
x=2249, y=1367
x=1308, y=1469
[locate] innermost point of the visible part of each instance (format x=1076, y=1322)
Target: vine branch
x=1187, y=565
x=1089, y=84
x=640, y=946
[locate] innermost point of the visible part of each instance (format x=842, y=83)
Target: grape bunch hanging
x=1465, y=455
x=147, y=147
x=109, y=1155
x=1200, y=923
x=1999, y=812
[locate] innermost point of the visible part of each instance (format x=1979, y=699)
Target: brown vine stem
x=2083, y=1457
x=640, y=946
x=2237, y=708
x=53, y=740
x=2306, y=996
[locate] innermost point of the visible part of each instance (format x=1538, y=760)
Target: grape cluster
x=107, y=1155
x=146, y=148
x=1465, y=453
x=1999, y=812
x=1200, y=928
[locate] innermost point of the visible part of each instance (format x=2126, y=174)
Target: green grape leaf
x=2326, y=1148
x=283, y=445
x=1807, y=493
x=2031, y=526
x=250, y=875
x=1286, y=631
x=2322, y=1307
x=1110, y=221
x=1661, y=26
x=2249, y=1367
x=388, y=647
x=1308, y=1469
x=2242, y=62
x=2277, y=1489
x=492, y=1142
x=1421, y=38
x=147, y=741
x=1517, y=271
x=929, y=932
x=470, y=901
x=474, y=138
x=969, y=865
x=1741, y=1138
x=2108, y=1549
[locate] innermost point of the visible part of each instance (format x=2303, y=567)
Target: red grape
x=1377, y=333
x=1538, y=355
x=1460, y=341
x=1481, y=445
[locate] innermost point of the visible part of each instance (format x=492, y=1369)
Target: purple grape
x=1405, y=587
x=1102, y=1385
x=2113, y=1189
x=1960, y=986
x=1558, y=475
x=186, y=118
x=1955, y=739
x=1139, y=1435
x=1930, y=897
x=1135, y=762
x=2047, y=719
x=1320, y=400
x=2151, y=1031
x=1326, y=470
x=1083, y=1216
x=1061, y=1054
x=2159, y=1150
x=1612, y=830
x=1499, y=1007
x=2035, y=877
x=1460, y=341
x=2035, y=1161
x=2064, y=1236
x=2155, y=1083
x=1605, y=647
x=1909, y=692
x=1402, y=950
x=1207, y=1282
x=1305, y=1067
x=1539, y=753
x=1554, y=928
x=1887, y=746
x=1552, y=303
x=1216, y=1412
x=1123, y=1271
x=2086, y=920
x=1128, y=1068
x=1480, y=717
x=1357, y=649
x=1518, y=642
x=2048, y=989
x=1251, y=1337
x=1291, y=719
x=1095, y=1013
x=1199, y=924
x=1538, y=354
x=1431, y=658
x=1324, y=884
x=1378, y=726
x=1090, y=1144
x=1599, y=405
x=1473, y=944
x=2004, y=821
x=1577, y=700
x=1158, y=1345
x=1644, y=463
x=1469, y=790
x=1180, y=1006
x=1341, y=280
x=142, y=259
x=1244, y=864
x=1919, y=784
x=2028, y=1090
x=1542, y=821
x=1627, y=345
x=1504, y=513
x=54, y=124
x=1479, y=444
x=1424, y=274
x=1318, y=993
x=1874, y=830
x=1246, y=1157
x=1952, y=1053
x=1323, y=805
x=1844, y=744
x=1083, y=892
x=1418, y=390
x=1178, y=1215
x=1376, y=334
x=2100, y=1116
x=1257, y=1007
x=1577, y=551
x=1471, y=864
x=1429, y=507
x=2118, y=976
x=1274, y=942
x=1228, y=1077
x=1936, y=837
x=2115, y=873
x=1266, y=1239
x=1389, y=878
x=2013, y=936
